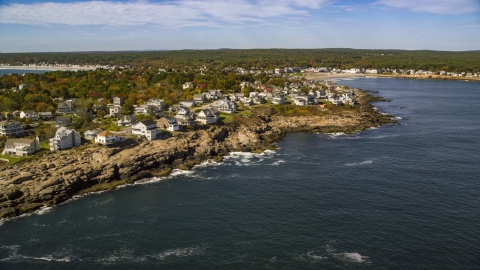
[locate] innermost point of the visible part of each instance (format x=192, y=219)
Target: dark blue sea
x=401, y=196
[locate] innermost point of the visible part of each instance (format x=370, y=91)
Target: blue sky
x=51, y=26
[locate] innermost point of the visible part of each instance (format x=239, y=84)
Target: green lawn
x=226, y=117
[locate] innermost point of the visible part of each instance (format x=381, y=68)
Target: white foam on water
x=207, y=163
x=366, y=162
x=313, y=256
x=278, y=162
x=178, y=252
x=44, y=210
x=337, y=134
x=145, y=181
x=126, y=255
x=247, y=158
x=399, y=118
x=178, y=172
x=351, y=257
x=15, y=256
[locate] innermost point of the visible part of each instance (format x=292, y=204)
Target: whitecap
x=178, y=252
x=14, y=255
x=351, y=257
x=278, y=162
x=366, y=162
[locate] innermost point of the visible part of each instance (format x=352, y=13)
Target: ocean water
x=6, y=71
x=395, y=197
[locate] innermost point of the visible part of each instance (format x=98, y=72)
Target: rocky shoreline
x=58, y=176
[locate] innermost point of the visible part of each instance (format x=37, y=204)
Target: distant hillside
x=467, y=61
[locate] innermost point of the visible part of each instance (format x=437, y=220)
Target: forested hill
x=467, y=61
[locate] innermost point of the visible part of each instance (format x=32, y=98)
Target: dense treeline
x=468, y=61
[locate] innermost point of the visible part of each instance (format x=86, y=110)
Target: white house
x=158, y=104
x=168, y=123
x=206, y=117
x=29, y=114
x=184, y=116
x=300, y=100
x=127, y=120
x=278, y=99
x=147, y=128
x=21, y=147
x=226, y=106
x=115, y=111
x=187, y=85
x=117, y=101
x=373, y=71
x=64, y=138
x=107, y=137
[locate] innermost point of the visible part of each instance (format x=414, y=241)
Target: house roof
x=148, y=122
x=7, y=122
x=93, y=131
x=105, y=133
x=13, y=141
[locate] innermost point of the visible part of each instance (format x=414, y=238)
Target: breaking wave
x=366, y=162
x=330, y=254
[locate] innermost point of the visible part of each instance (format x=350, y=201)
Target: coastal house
x=157, y=104
x=187, y=85
x=11, y=128
x=168, y=123
x=278, y=99
x=147, y=109
x=64, y=138
x=225, y=105
x=91, y=134
x=300, y=100
x=214, y=94
x=45, y=115
x=66, y=107
x=127, y=120
x=21, y=147
x=107, y=137
x=184, y=116
x=29, y=114
x=206, y=117
x=147, y=128
x=199, y=98
x=115, y=111
x=117, y=101
x=63, y=121
x=247, y=101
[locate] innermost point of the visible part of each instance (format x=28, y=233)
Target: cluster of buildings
x=211, y=104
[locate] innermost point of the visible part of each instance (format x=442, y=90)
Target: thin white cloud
x=448, y=7
x=175, y=14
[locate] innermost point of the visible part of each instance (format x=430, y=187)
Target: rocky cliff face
x=58, y=176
